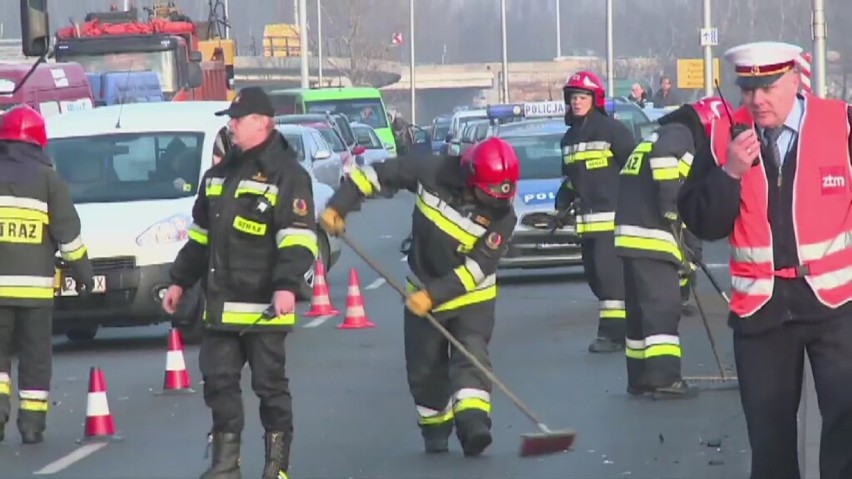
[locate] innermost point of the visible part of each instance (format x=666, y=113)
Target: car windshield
x=540, y=156
x=367, y=138
x=368, y=111
x=295, y=141
x=440, y=130
x=128, y=167
x=333, y=139
x=162, y=63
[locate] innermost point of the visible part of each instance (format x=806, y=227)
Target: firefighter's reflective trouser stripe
x=648, y=239
x=653, y=312
x=26, y=332
x=443, y=383
x=246, y=314
x=604, y=274
x=26, y=287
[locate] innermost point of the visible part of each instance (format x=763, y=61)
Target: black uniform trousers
x=653, y=313
x=605, y=275
x=770, y=366
x=27, y=333
x=693, y=255
x=222, y=357
x=447, y=389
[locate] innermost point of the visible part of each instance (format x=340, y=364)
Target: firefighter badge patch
x=259, y=176
x=300, y=207
x=479, y=219
x=493, y=240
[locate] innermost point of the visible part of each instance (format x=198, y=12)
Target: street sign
x=690, y=73
x=709, y=37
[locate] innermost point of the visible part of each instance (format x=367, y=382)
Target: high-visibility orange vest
x=822, y=203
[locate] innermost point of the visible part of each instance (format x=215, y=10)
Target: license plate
x=68, y=285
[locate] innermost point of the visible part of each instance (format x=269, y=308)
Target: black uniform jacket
x=709, y=203
x=456, y=243
x=37, y=217
x=594, y=149
x=648, y=191
x=253, y=233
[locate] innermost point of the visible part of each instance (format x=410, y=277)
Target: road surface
x=353, y=415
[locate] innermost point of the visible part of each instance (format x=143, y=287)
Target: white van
x=133, y=171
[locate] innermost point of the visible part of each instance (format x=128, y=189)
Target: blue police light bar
x=504, y=111
x=544, y=109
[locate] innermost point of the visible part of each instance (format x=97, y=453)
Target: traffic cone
x=176, y=380
x=99, y=424
x=356, y=316
x=321, y=301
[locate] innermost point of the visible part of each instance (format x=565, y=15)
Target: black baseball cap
x=249, y=101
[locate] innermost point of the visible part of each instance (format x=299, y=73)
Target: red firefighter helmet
x=22, y=123
x=709, y=109
x=588, y=82
x=492, y=167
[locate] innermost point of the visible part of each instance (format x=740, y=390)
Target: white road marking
x=386, y=236
x=77, y=455
x=318, y=321
x=376, y=284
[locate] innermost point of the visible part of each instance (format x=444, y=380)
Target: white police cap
x=760, y=64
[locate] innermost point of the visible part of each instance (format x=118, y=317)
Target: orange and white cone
x=176, y=380
x=356, y=315
x=321, y=300
x=99, y=423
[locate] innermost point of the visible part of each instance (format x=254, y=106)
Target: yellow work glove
x=419, y=303
x=332, y=222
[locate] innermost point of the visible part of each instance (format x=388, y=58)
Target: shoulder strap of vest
x=815, y=105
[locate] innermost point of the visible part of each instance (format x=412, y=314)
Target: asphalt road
x=354, y=417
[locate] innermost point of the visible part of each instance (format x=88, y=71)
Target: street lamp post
x=610, y=67
x=708, y=51
x=319, y=42
x=303, y=43
x=505, y=59
x=820, y=34
x=411, y=61
x=558, y=31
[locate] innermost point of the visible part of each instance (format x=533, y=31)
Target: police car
x=534, y=130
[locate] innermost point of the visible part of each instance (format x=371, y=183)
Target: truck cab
x=52, y=89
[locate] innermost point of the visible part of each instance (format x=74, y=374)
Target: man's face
x=665, y=84
x=247, y=131
x=581, y=103
x=636, y=91
x=769, y=106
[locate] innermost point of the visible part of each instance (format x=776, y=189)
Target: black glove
x=84, y=287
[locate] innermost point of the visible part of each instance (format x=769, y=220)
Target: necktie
x=770, y=136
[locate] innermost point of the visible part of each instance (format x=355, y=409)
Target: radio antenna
x=725, y=104
x=125, y=96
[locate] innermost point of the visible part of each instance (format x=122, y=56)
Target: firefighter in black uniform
x=252, y=240
x=646, y=222
x=776, y=182
x=461, y=227
x=37, y=217
x=594, y=149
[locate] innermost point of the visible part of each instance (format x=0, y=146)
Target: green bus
x=361, y=104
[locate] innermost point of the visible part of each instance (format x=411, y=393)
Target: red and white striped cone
x=356, y=315
x=321, y=301
x=100, y=426
x=176, y=380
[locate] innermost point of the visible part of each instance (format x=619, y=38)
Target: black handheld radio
x=736, y=128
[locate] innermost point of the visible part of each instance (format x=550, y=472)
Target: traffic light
x=35, y=32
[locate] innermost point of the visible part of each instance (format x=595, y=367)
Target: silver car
x=374, y=152
x=315, y=154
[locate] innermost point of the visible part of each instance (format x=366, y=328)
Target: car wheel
x=82, y=334
x=324, y=252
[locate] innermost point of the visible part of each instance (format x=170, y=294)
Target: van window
x=367, y=111
x=284, y=103
x=48, y=108
x=128, y=167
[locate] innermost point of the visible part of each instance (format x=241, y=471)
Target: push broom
x=545, y=441
x=723, y=381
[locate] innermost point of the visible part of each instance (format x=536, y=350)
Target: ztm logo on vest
x=833, y=180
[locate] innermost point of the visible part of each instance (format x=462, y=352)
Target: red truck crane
x=166, y=43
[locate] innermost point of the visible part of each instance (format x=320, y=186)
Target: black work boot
x=605, y=345
x=473, y=429
x=277, y=455
x=436, y=438
x=677, y=390
x=226, y=457
x=31, y=425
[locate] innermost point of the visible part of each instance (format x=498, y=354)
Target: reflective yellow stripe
x=447, y=219
x=366, y=180
x=26, y=287
x=5, y=389
x=282, y=475
x=33, y=405
x=251, y=187
x=249, y=313
x=667, y=174
x=293, y=237
x=611, y=309
x=249, y=226
x=73, y=250
x=596, y=154
x=213, y=186
x=486, y=292
x=653, y=346
x=466, y=278
x=472, y=403
x=595, y=222
x=441, y=418
x=8, y=213
x=197, y=234
x=685, y=164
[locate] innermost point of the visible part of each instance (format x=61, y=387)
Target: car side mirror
x=194, y=75
x=322, y=155
x=34, y=27
x=195, y=57
x=358, y=150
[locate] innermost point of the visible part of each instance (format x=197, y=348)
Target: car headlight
x=389, y=147
x=169, y=230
